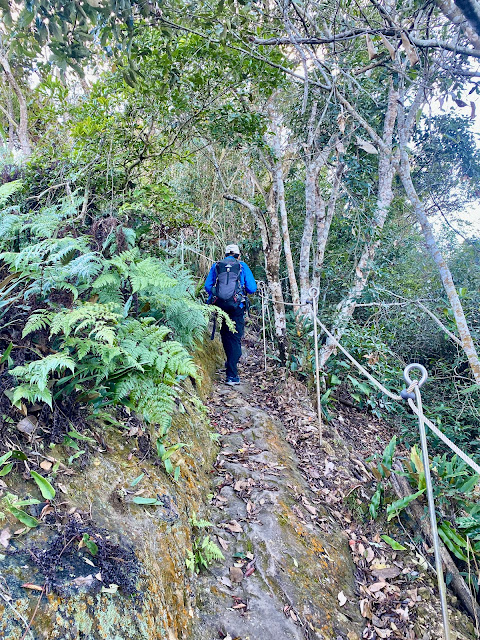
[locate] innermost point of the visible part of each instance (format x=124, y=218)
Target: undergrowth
x=90, y=317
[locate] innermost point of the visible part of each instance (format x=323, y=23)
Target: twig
x=27, y=630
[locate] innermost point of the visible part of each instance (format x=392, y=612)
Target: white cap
x=232, y=248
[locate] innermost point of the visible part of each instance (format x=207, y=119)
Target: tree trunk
x=323, y=225
x=274, y=164
x=22, y=103
x=444, y=271
x=280, y=198
x=11, y=128
x=311, y=206
x=384, y=198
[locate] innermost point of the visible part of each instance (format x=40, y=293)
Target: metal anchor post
x=415, y=385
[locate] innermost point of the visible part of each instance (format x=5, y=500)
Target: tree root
x=457, y=583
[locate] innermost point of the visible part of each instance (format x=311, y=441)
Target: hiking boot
x=233, y=381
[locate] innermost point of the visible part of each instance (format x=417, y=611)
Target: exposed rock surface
x=141, y=548
x=302, y=583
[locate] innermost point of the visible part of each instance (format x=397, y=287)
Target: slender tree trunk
x=311, y=207
x=11, y=128
x=280, y=198
x=275, y=166
x=22, y=103
x=384, y=198
x=445, y=273
x=323, y=225
x=273, y=251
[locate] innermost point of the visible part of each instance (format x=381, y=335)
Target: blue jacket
x=247, y=280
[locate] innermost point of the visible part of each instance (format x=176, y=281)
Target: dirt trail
x=302, y=558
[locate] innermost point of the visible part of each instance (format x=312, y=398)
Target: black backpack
x=227, y=292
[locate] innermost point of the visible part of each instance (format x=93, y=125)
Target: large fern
x=122, y=338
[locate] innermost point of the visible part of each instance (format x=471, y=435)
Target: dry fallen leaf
x=34, y=587
x=83, y=581
x=370, y=554
x=46, y=465
x=365, y=609
x=27, y=425
x=233, y=526
x=5, y=536
x=341, y=598
x=309, y=508
x=226, y=581
x=383, y=633
x=223, y=543
x=236, y=574
x=376, y=586
x=388, y=572
x=113, y=588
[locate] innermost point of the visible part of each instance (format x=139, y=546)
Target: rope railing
x=413, y=396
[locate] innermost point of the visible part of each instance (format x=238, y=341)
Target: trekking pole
x=313, y=293
x=415, y=385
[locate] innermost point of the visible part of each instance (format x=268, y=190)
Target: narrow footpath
x=303, y=560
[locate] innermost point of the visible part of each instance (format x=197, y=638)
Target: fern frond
x=37, y=373
x=31, y=395
x=8, y=189
x=38, y=320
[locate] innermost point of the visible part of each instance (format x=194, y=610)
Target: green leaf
x=19, y=455
x=176, y=475
x=375, y=502
x=396, y=546
x=6, y=353
x=27, y=502
x=172, y=449
x=6, y=469
x=397, y=506
x=137, y=480
x=452, y=541
x=90, y=544
x=141, y=500
x=73, y=433
x=389, y=453
x=5, y=457
x=75, y=456
x=24, y=518
x=46, y=489
x=168, y=465
x=469, y=485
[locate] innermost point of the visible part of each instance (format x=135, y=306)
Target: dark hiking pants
x=232, y=342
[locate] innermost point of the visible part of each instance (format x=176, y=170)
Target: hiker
x=227, y=284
